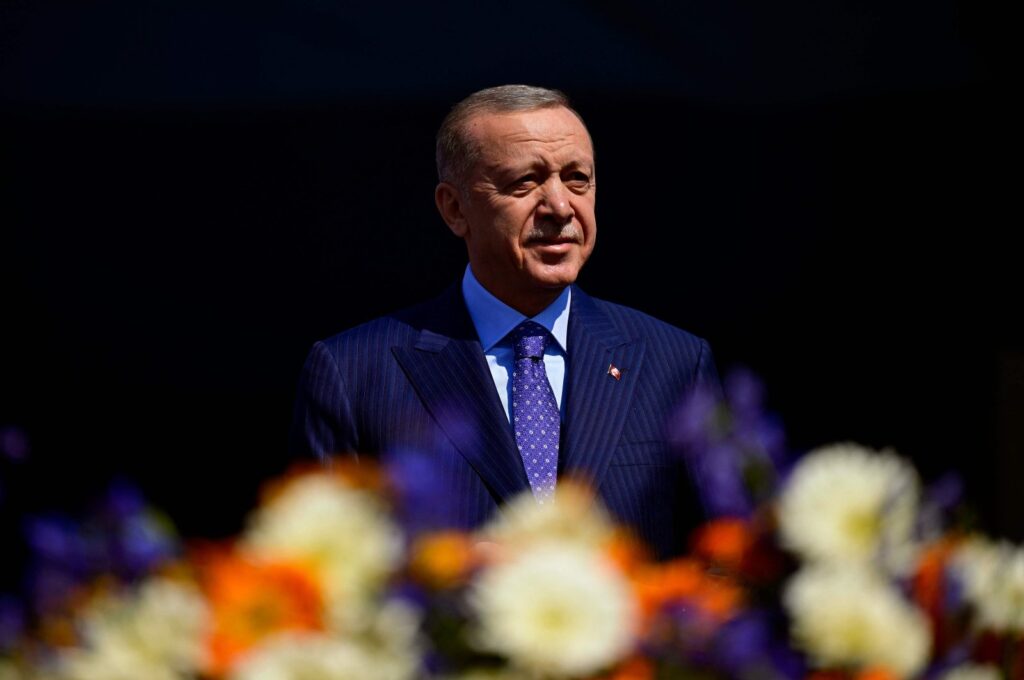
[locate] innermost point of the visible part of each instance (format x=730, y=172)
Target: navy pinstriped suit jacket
x=418, y=380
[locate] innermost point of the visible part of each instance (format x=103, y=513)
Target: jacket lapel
x=597, y=403
x=449, y=372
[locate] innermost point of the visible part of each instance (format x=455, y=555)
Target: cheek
x=585, y=213
x=514, y=226
x=589, y=231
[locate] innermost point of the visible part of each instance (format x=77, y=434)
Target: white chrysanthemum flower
x=295, y=656
x=847, y=504
x=971, y=671
x=993, y=579
x=556, y=609
x=8, y=671
x=977, y=561
x=343, y=533
x=157, y=632
x=574, y=516
x=115, y=663
x=391, y=628
x=851, y=616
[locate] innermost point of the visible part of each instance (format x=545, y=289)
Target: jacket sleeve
x=323, y=422
x=707, y=375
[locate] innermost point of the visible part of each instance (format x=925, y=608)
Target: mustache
x=544, y=233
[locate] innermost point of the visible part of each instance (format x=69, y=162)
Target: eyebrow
x=532, y=164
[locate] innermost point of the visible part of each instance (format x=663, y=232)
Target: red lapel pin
x=614, y=372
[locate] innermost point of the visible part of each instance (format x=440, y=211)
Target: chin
x=554, y=272
x=556, y=279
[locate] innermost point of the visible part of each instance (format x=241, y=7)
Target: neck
x=532, y=305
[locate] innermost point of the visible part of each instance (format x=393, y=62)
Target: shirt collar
x=494, y=319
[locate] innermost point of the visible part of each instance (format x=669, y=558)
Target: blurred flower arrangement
x=837, y=565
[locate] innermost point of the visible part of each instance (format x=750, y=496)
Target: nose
x=554, y=203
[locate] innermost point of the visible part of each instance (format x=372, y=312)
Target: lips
x=554, y=237
x=552, y=247
x=550, y=241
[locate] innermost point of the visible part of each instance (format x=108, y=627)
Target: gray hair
x=455, y=153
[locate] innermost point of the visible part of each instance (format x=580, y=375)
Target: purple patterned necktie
x=534, y=410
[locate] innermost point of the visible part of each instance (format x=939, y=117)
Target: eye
x=523, y=184
x=578, y=180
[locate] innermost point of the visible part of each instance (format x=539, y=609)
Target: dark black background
x=194, y=192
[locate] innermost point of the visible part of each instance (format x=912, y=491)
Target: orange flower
x=685, y=580
x=877, y=673
x=928, y=586
x=929, y=579
x=633, y=668
x=719, y=597
x=251, y=600
x=358, y=474
x=657, y=584
x=442, y=559
x=725, y=541
x=874, y=673
x=626, y=552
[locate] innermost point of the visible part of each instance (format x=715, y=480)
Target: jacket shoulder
x=444, y=314
x=380, y=332
x=683, y=357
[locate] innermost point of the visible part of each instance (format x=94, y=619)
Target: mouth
x=552, y=245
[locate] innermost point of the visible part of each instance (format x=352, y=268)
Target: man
x=515, y=378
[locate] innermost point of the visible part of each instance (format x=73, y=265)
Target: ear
x=449, y=204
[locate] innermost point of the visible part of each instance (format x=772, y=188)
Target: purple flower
x=122, y=500
x=411, y=594
x=742, y=642
x=764, y=438
x=133, y=539
x=940, y=500
x=744, y=394
x=55, y=539
x=722, y=485
x=955, y=656
x=734, y=448
x=954, y=592
x=12, y=622
x=140, y=544
x=787, y=663
x=122, y=538
x=693, y=425
x=14, y=444
x=422, y=502
x=693, y=628
x=946, y=492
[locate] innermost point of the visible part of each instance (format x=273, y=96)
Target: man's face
x=528, y=204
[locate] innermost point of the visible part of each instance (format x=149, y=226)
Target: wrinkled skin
x=526, y=208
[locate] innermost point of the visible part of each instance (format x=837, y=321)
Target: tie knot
x=529, y=340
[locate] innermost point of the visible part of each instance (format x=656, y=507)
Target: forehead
x=551, y=135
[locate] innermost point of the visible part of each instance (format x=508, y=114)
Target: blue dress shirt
x=494, y=320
